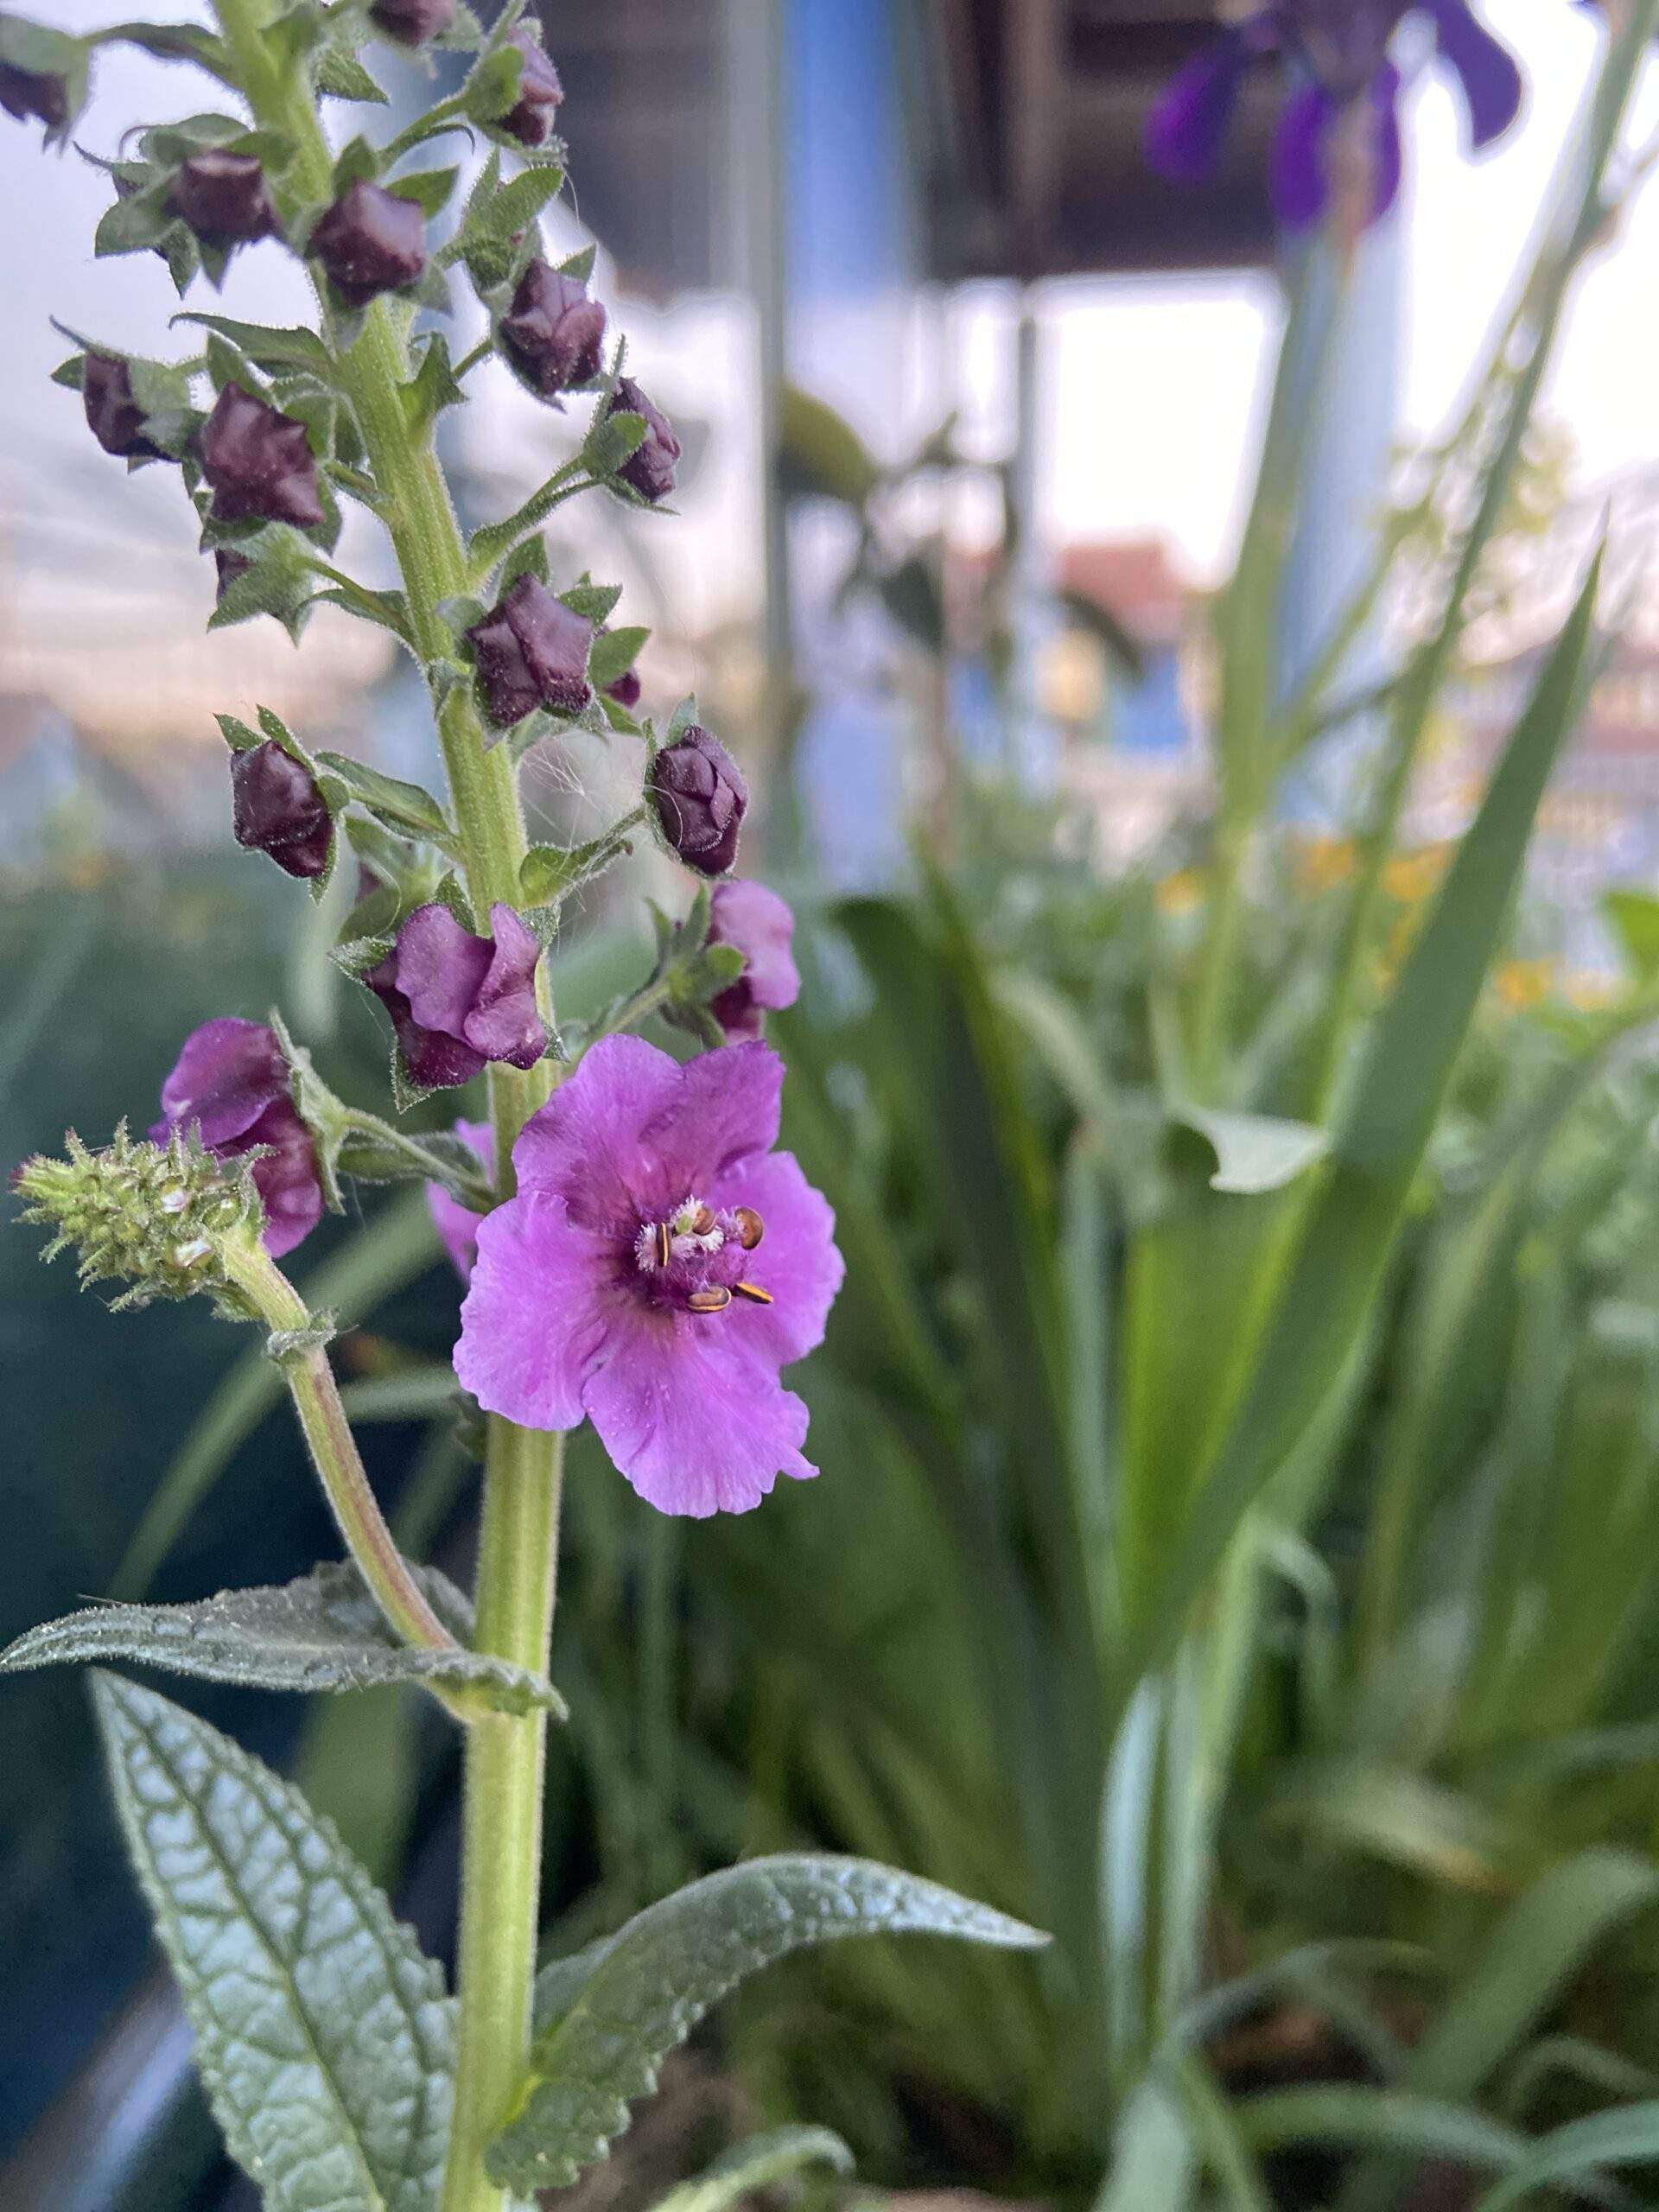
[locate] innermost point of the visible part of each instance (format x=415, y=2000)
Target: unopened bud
x=371, y=241
x=260, y=462
x=115, y=417
x=531, y=652
x=412, y=22
x=276, y=809
x=540, y=93
x=700, y=800
x=649, y=469
x=554, y=330
x=223, y=197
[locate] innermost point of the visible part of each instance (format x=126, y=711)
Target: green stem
x=505, y=1753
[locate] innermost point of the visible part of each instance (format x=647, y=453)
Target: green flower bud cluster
x=168, y=1220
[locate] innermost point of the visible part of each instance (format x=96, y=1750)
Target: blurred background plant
x=1240, y=1430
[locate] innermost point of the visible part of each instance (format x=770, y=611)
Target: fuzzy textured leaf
x=609, y=2016
x=759, y=2162
x=323, y=2037
x=323, y=1633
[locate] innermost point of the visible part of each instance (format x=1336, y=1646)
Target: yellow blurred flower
x=1411, y=876
x=1323, y=862
x=1183, y=893
x=1524, y=983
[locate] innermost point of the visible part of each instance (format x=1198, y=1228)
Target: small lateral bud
x=223, y=197
x=412, y=22
x=276, y=809
x=649, y=469
x=553, y=330
x=540, y=92
x=371, y=241
x=36, y=95
x=700, y=800
x=115, y=417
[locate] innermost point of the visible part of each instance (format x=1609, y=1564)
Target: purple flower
x=532, y=652
x=411, y=22
x=1346, y=107
x=700, y=800
x=41, y=93
x=276, y=808
x=540, y=93
x=458, y=1001
x=223, y=197
x=260, y=462
x=650, y=468
x=760, y=925
x=456, y=1224
x=553, y=330
x=231, y=1083
x=115, y=417
x=659, y=1266
x=371, y=241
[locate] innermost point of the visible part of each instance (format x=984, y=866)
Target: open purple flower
x=456, y=1224
x=458, y=1001
x=231, y=1083
x=659, y=1266
x=1349, y=84
x=760, y=925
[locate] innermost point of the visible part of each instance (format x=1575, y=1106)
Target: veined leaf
x=324, y=2038
x=323, y=1633
x=761, y=2163
x=609, y=2016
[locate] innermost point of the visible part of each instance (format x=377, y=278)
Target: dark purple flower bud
x=371, y=241
x=532, y=652
x=223, y=197
x=626, y=689
x=762, y=928
x=540, y=92
x=458, y=1001
x=554, y=330
x=116, y=417
x=276, y=808
x=230, y=1085
x=412, y=22
x=650, y=468
x=230, y=565
x=701, y=800
x=42, y=94
x=260, y=462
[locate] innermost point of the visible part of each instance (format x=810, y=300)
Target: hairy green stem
x=516, y=1575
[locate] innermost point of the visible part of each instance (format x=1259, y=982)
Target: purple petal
x=456, y=1224
x=796, y=1259
x=505, y=1022
x=227, y=1074
x=696, y=1419
x=1185, y=128
x=538, y=1313
x=1492, y=82
x=439, y=969
x=1299, y=184
x=1386, y=157
x=586, y=1146
x=727, y=1107
x=286, y=1179
x=760, y=924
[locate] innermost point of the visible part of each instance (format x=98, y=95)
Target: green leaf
x=1607, y=2138
x=1633, y=917
x=486, y=546
x=819, y=452
x=270, y=347
x=407, y=806
x=609, y=2016
x=433, y=387
x=323, y=2037
x=1378, y=1146
x=341, y=76
x=1155, y=2160
x=323, y=1632
x=1253, y=1152
x=549, y=873
x=1387, y=2118
x=500, y=220
x=761, y=2163
x=615, y=653
x=429, y=188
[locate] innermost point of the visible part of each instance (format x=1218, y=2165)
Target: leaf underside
x=608, y=2017
x=323, y=1633
x=324, y=2038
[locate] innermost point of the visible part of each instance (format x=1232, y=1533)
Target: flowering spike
x=159, y=1217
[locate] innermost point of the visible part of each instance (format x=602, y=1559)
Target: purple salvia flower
x=276, y=809
x=531, y=652
x=412, y=22
x=761, y=927
x=540, y=92
x=659, y=1266
x=649, y=469
x=700, y=800
x=115, y=417
x=371, y=241
x=231, y=1083
x=456, y=1224
x=260, y=462
x=1347, y=108
x=223, y=197
x=553, y=330
x=458, y=1001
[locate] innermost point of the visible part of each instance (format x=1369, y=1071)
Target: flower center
x=692, y=1260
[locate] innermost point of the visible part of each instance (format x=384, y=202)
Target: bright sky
x=1152, y=389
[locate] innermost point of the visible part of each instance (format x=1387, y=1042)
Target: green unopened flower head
x=168, y=1220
